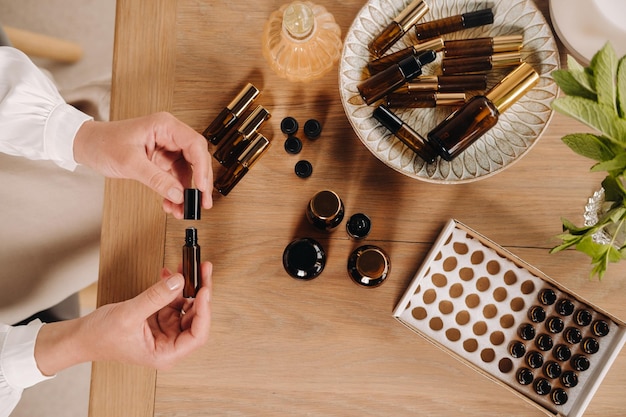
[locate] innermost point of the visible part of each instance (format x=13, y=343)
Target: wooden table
x=325, y=347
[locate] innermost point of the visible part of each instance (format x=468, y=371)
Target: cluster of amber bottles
x=239, y=144
x=396, y=79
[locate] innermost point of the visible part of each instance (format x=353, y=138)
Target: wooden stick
x=43, y=46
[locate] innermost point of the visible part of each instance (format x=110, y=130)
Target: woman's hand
x=155, y=329
x=158, y=150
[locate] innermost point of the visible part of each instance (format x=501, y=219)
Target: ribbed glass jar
x=301, y=41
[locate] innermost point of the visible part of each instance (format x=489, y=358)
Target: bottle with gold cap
x=398, y=27
x=380, y=64
x=325, y=210
x=464, y=64
x=243, y=162
x=463, y=127
x=482, y=46
x=231, y=114
x=237, y=140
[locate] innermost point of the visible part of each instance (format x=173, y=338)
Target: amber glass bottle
x=398, y=27
x=231, y=114
x=191, y=263
x=463, y=127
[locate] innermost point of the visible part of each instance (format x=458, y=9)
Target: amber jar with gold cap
x=463, y=127
x=368, y=266
x=325, y=210
x=398, y=27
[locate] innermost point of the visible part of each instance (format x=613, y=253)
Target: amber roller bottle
x=463, y=127
x=230, y=115
x=191, y=263
x=398, y=27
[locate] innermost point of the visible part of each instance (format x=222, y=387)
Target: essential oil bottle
x=381, y=84
x=368, y=266
x=325, y=210
x=482, y=46
x=434, y=28
x=424, y=99
x=466, y=64
x=446, y=83
x=380, y=64
x=191, y=263
x=398, y=27
x=229, y=116
x=243, y=162
x=239, y=139
x=467, y=124
x=405, y=133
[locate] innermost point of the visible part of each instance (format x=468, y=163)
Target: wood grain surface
x=325, y=347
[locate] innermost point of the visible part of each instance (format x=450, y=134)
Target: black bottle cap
x=411, y=66
x=559, y=396
x=583, y=317
x=536, y=314
x=312, y=129
x=358, y=226
x=293, y=145
x=304, y=259
x=289, y=125
x=542, y=386
x=573, y=335
x=526, y=331
x=192, y=207
x=562, y=352
x=590, y=345
x=569, y=379
x=544, y=342
x=565, y=307
x=477, y=18
x=517, y=349
x=525, y=376
x=534, y=359
x=600, y=328
x=547, y=296
x=555, y=325
x=552, y=369
x=303, y=169
x=580, y=363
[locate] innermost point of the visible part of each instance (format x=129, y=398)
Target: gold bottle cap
x=436, y=44
x=326, y=204
x=411, y=14
x=506, y=59
x=512, y=87
x=507, y=43
x=254, y=121
x=421, y=83
x=450, y=99
x=246, y=96
x=255, y=149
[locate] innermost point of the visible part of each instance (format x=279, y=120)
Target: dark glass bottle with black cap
x=358, y=226
x=191, y=263
x=569, y=379
x=304, y=259
x=405, y=133
x=547, y=296
x=377, y=86
x=438, y=27
x=559, y=396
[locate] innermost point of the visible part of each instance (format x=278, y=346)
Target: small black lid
x=304, y=259
x=312, y=129
x=293, y=145
x=303, y=169
x=358, y=226
x=289, y=125
x=411, y=66
x=477, y=18
x=192, y=206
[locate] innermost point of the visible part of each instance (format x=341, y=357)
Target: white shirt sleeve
x=18, y=369
x=35, y=121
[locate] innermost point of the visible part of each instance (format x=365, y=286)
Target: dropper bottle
x=191, y=263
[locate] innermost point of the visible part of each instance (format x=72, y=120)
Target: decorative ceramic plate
x=518, y=128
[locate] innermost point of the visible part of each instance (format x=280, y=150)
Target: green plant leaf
x=604, y=67
x=590, y=146
x=583, y=75
x=613, y=189
x=594, y=115
x=621, y=87
x=617, y=164
x=571, y=85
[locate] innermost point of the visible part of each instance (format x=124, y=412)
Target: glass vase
x=301, y=41
x=596, y=207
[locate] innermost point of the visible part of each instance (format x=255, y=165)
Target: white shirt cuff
x=63, y=123
x=18, y=356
